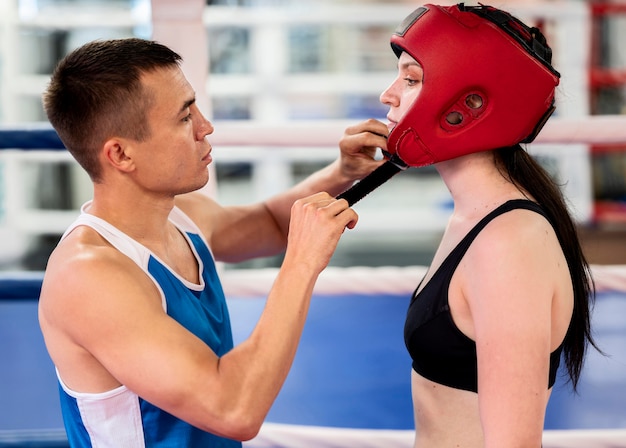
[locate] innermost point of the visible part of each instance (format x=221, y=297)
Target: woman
x=508, y=291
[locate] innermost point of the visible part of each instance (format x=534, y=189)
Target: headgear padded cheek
x=488, y=83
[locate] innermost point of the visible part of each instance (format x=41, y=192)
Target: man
x=131, y=307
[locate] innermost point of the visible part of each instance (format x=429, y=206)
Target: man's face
x=174, y=158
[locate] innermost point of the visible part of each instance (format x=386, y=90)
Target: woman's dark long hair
x=530, y=177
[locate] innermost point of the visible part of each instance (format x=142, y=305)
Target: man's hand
x=358, y=147
x=317, y=222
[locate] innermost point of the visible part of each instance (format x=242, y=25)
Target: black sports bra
x=440, y=351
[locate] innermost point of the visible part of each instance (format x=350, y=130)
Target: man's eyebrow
x=187, y=103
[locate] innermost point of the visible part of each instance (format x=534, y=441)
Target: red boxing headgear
x=488, y=83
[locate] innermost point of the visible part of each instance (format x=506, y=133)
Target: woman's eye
x=187, y=118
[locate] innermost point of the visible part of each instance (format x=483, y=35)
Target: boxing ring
x=350, y=382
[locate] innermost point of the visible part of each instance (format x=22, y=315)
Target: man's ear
x=117, y=153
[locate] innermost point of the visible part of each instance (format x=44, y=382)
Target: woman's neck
x=476, y=184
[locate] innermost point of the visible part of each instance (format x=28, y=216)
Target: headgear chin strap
x=488, y=83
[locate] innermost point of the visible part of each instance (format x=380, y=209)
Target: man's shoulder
x=84, y=255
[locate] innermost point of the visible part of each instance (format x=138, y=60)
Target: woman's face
x=399, y=96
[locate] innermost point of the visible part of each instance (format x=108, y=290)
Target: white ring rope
x=275, y=435
x=596, y=129
x=391, y=280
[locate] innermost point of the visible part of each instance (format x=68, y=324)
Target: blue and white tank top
x=119, y=418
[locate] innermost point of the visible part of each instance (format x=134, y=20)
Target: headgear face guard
x=488, y=83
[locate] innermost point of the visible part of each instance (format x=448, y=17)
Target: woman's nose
x=388, y=97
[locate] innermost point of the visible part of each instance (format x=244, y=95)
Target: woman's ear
x=117, y=153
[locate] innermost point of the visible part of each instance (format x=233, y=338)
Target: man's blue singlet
x=119, y=418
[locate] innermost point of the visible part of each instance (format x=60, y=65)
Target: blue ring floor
x=351, y=369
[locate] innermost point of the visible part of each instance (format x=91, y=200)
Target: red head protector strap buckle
x=488, y=83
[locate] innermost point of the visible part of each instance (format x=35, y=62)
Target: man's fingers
x=372, y=126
